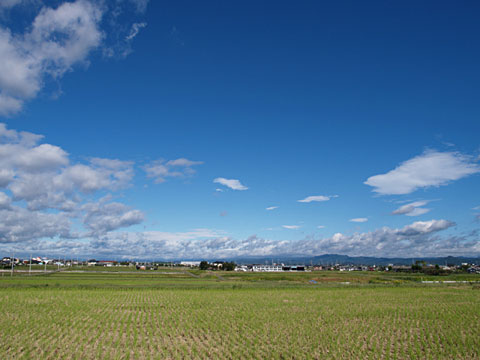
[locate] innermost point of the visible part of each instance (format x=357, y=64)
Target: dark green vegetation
x=176, y=313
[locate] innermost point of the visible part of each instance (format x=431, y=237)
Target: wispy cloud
x=141, y=5
x=318, y=198
x=270, y=208
x=233, y=184
x=359, y=220
x=412, y=209
x=136, y=27
x=291, y=227
x=321, y=227
x=432, y=168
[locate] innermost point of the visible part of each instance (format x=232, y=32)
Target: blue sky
x=169, y=127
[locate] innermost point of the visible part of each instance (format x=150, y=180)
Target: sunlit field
x=184, y=314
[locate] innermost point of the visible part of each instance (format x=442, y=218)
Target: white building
x=190, y=263
x=267, y=268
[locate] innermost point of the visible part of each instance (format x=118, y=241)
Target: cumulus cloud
x=160, y=169
x=359, y=220
x=432, y=168
x=9, y=105
x=291, y=227
x=56, y=40
x=270, y=208
x=5, y=201
x=47, y=191
x=52, y=182
x=416, y=239
x=412, y=209
x=20, y=225
x=233, y=184
x=101, y=218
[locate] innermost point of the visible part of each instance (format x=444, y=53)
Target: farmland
x=190, y=314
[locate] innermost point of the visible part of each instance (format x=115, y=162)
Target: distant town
x=39, y=264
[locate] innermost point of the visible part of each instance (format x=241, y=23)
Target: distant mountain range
x=331, y=259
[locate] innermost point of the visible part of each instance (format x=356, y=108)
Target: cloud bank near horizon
x=420, y=238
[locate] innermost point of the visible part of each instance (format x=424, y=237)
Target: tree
x=229, y=266
x=416, y=267
x=204, y=265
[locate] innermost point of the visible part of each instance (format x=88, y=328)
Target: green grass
x=246, y=316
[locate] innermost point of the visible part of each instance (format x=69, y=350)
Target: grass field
x=183, y=315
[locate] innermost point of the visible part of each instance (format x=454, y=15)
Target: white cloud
x=219, y=190
x=321, y=227
x=136, y=27
x=160, y=169
x=9, y=105
x=359, y=220
x=64, y=186
x=5, y=201
x=270, y=208
x=414, y=240
x=20, y=225
x=291, y=227
x=425, y=227
x=231, y=183
x=316, y=198
x=51, y=190
x=56, y=40
x=101, y=218
x=432, y=168
x=6, y=177
x=476, y=208
x=412, y=209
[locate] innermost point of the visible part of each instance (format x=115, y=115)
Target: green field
x=183, y=314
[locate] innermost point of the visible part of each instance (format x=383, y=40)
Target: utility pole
x=12, y=260
x=30, y=265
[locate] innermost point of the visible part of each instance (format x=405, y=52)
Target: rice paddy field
x=180, y=314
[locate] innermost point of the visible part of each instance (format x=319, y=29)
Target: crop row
x=376, y=323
